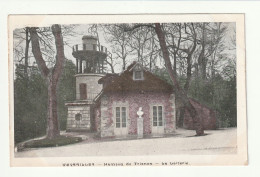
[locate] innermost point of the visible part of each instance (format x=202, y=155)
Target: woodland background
x=203, y=57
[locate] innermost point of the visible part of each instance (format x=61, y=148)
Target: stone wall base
x=78, y=118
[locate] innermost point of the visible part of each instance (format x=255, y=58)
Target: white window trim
x=121, y=117
x=151, y=115
x=121, y=104
x=142, y=75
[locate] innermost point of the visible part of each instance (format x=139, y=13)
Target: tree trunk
x=51, y=76
x=27, y=43
x=112, y=69
x=123, y=56
x=124, y=63
x=181, y=117
x=185, y=100
x=175, y=63
x=111, y=66
x=151, y=54
x=186, y=89
x=202, y=61
x=52, y=120
x=187, y=83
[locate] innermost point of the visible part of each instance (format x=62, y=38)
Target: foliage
x=30, y=108
x=66, y=91
x=57, y=141
x=217, y=93
x=30, y=101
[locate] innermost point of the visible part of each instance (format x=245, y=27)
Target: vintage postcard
x=127, y=90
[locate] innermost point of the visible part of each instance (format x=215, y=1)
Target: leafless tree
x=21, y=52
x=182, y=42
x=210, y=36
x=140, y=45
x=166, y=56
x=119, y=41
x=51, y=75
x=181, y=39
x=184, y=98
x=94, y=30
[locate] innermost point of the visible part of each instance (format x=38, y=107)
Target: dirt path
x=215, y=142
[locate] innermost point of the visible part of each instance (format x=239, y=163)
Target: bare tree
x=119, y=41
x=182, y=42
x=51, y=76
x=93, y=29
x=166, y=56
x=211, y=35
x=154, y=51
x=21, y=50
x=192, y=36
x=173, y=39
x=185, y=100
x=140, y=44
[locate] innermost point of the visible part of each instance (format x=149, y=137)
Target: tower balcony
x=90, y=58
x=89, y=51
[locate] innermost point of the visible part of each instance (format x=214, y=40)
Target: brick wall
x=134, y=101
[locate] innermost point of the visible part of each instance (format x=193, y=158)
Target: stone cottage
x=124, y=94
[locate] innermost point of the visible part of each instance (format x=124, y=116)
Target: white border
x=251, y=9
x=19, y=21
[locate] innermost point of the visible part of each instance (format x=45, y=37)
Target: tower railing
x=92, y=65
x=90, y=47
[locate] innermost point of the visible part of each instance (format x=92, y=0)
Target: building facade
x=122, y=96
x=89, y=68
x=132, y=103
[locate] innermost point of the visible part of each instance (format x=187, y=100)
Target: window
x=120, y=117
x=138, y=75
x=157, y=116
x=83, y=91
x=78, y=117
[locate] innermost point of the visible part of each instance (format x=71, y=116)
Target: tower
x=90, y=67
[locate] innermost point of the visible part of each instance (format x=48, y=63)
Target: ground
x=222, y=141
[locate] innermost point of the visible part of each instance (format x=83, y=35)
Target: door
x=120, y=121
x=157, y=120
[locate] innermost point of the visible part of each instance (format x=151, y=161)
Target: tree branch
x=60, y=57
x=37, y=52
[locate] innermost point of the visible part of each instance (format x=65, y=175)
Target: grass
x=58, y=141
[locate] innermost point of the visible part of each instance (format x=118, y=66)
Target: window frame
x=141, y=72
x=122, y=111
x=159, y=123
